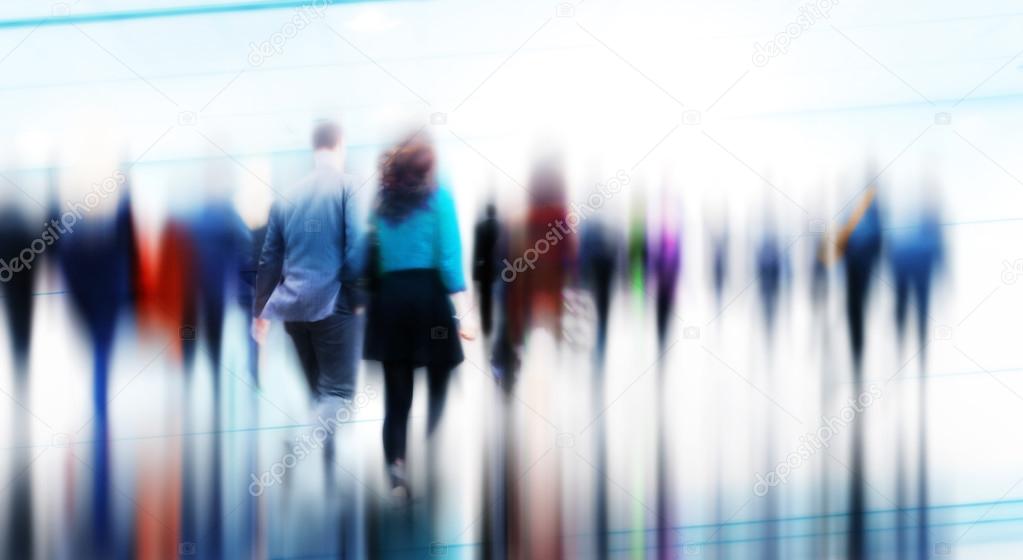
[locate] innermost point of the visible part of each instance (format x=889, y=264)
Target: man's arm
x=271, y=261
x=351, y=248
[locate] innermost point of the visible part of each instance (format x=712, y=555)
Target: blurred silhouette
x=719, y=266
x=600, y=255
x=504, y=531
x=719, y=242
x=771, y=270
x=219, y=243
x=601, y=249
x=916, y=254
x=255, y=529
x=307, y=277
x=547, y=249
x=664, y=263
x=166, y=303
x=820, y=297
x=411, y=322
x=308, y=270
x=637, y=240
x=858, y=243
x=17, y=236
x=771, y=267
x=98, y=263
x=484, y=265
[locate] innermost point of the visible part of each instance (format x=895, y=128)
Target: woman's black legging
x=398, y=382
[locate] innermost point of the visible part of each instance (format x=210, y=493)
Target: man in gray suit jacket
x=308, y=268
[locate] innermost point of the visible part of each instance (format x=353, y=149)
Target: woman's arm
x=450, y=250
x=464, y=314
x=450, y=265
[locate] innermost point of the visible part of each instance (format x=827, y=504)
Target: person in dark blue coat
x=16, y=237
x=601, y=255
x=98, y=264
x=859, y=245
x=916, y=254
x=220, y=243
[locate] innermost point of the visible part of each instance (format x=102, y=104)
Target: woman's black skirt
x=410, y=319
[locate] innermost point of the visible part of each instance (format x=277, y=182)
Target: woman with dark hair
x=416, y=264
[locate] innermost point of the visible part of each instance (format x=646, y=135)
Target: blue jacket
x=311, y=249
x=426, y=238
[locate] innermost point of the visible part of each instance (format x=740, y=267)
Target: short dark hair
x=327, y=134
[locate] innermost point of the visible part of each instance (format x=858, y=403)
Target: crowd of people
x=392, y=289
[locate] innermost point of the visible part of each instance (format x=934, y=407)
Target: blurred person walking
x=307, y=278
x=99, y=265
x=220, y=242
x=601, y=255
x=484, y=265
x=307, y=273
x=16, y=237
x=664, y=267
x=771, y=265
x=858, y=244
x=916, y=254
x=415, y=262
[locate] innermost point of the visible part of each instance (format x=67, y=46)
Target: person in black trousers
x=415, y=259
x=484, y=265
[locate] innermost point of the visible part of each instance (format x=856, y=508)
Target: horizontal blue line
x=826, y=534
x=649, y=545
x=820, y=516
x=192, y=434
x=176, y=11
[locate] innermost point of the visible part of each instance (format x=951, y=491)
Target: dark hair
x=327, y=134
x=406, y=177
